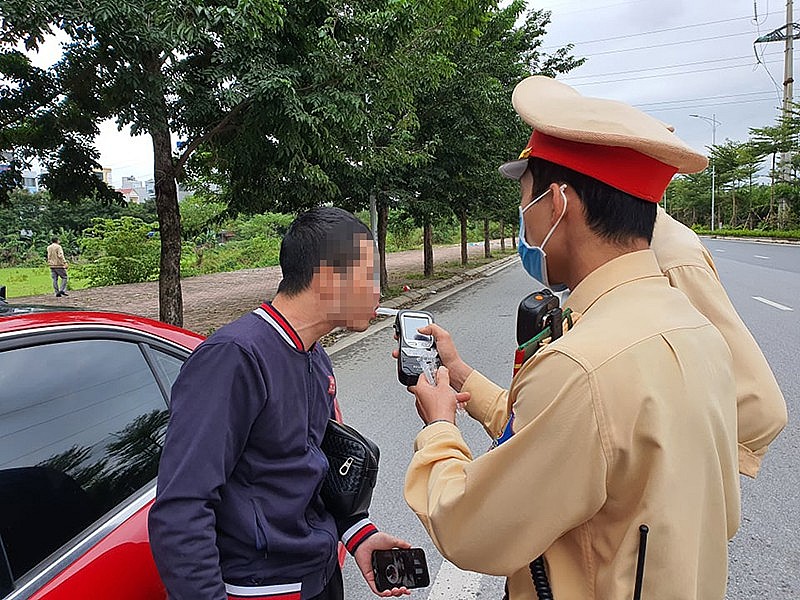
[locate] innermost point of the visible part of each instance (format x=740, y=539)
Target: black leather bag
x=353, y=472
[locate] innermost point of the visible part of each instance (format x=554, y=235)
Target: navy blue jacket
x=238, y=484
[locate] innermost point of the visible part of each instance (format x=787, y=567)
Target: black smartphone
x=400, y=568
x=414, y=345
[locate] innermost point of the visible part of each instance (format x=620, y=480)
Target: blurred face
x=349, y=297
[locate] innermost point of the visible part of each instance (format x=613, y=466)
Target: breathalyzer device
x=417, y=351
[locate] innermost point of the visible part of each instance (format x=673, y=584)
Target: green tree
x=188, y=67
x=735, y=164
x=470, y=123
x=770, y=141
x=341, y=126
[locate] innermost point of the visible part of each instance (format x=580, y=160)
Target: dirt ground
x=210, y=301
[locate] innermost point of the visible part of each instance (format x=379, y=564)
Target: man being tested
x=238, y=512
x=628, y=419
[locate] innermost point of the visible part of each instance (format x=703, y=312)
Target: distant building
x=103, y=174
x=30, y=178
x=30, y=181
x=183, y=193
x=143, y=189
x=130, y=195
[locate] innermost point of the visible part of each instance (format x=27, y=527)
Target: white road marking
x=454, y=584
x=716, y=250
x=761, y=257
x=772, y=304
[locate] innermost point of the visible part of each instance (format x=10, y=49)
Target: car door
x=83, y=412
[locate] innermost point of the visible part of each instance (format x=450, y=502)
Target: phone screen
x=411, y=324
x=400, y=568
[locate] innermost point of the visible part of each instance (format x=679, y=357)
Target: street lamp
x=712, y=119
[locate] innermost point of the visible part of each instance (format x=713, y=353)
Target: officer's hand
x=459, y=370
x=363, y=556
x=444, y=344
x=437, y=402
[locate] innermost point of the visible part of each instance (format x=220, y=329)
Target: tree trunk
x=487, y=239
x=427, y=245
x=170, y=300
x=514, y=236
x=463, y=219
x=383, y=226
x=502, y=235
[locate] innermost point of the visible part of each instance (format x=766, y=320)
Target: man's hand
x=363, y=557
x=437, y=402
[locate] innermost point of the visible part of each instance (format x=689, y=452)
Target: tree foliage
x=756, y=181
x=469, y=122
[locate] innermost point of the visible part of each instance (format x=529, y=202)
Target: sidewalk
x=210, y=301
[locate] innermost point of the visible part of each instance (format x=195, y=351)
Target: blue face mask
x=534, y=258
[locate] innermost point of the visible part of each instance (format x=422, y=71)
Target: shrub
x=242, y=254
x=265, y=225
x=124, y=250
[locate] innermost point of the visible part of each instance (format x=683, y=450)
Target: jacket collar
x=619, y=271
x=277, y=321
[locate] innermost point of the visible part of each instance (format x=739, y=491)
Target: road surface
x=763, y=281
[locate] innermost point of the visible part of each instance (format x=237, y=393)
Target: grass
x=416, y=279
x=32, y=281
x=783, y=234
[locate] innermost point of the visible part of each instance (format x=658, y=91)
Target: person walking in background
x=58, y=267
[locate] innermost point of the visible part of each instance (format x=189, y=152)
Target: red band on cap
x=622, y=168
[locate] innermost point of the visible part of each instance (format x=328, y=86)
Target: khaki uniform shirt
x=760, y=403
x=55, y=256
x=629, y=418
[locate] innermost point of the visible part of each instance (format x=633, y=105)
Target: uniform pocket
x=260, y=527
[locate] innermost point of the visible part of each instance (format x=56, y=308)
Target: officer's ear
x=559, y=202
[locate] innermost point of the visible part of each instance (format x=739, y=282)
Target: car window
x=81, y=428
x=167, y=366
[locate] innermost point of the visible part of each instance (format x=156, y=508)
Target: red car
x=83, y=411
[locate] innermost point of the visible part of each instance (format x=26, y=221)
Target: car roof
x=21, y=317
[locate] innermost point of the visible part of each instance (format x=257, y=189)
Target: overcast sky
x=670, y=58
x=676, y=58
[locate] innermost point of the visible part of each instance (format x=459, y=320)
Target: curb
x=343, y=339
x=754, y=240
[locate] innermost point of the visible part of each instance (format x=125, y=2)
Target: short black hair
x=610, y=213
x=54, y=239
x=321, y=236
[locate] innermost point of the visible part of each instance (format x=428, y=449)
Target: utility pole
x=788, y=80
x=787, y=34
x=714, y=123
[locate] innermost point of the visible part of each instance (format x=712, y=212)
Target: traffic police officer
x=760, y=406
x=628, y=419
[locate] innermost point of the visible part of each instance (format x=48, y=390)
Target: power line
x=710, y=105
x=654, y=31
x=691, y=72
x=700, y=62
x=706, y=39
x=707, y=98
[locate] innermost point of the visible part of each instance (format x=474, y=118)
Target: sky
x=670, y=58
x=676, y=58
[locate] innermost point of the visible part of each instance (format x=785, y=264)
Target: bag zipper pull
x=345, y=468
